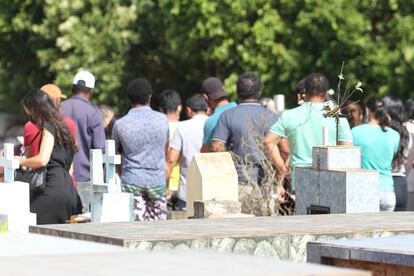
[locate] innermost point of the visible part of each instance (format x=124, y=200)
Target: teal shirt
x=211, y=122
x=377, y=149
x=303, y=127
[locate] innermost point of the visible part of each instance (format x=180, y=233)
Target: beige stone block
x=211, y=176
x=216, y=208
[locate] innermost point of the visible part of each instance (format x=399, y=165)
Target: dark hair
x=395, y=107
x=316, y=84
x=396, y=110
x=169, y=100
x=248, y=86
x=409, y=108
x=197, y=103
x=139, y=91
x=300, y=87
x=43, y=110
x=79, y=88
x=377, y=107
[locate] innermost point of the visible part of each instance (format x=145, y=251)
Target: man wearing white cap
x=90, y=134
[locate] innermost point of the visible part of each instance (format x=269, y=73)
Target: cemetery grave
x=382, y=256
x=15, y=213
x=281, y=238
x=336, y=183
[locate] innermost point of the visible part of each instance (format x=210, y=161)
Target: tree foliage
x=175, y=44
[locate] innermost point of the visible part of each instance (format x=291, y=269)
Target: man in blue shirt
x=141, y=137
x=241, y=130
x=89, y=124
x=217, y=97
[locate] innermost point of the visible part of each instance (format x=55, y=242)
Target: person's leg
x=400, y=188
x=139, y=201
x=156, y=208
x=182, y=205
x=387, y=201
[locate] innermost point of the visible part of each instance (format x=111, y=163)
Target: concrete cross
x=111, y=160
x=9, y=163
x=96, y=169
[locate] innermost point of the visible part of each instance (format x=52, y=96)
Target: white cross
x=111, y=160
x=96, y=169
x=9, y=163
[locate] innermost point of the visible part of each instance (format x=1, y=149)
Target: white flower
x=341, y=77
x=329, y=104
x=358, y=86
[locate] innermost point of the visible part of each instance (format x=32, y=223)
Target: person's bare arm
x=271, y=144
x=71, y=169
x=217, y=146
x=172, y=159
x=42, y=159
x=284, y=149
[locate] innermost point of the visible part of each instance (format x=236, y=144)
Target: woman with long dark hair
x=397, y=114
x=379, y=144
x=57, y=147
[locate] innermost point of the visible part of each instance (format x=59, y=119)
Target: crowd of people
x=157, y=148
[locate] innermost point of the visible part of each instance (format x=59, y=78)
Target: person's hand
x=281, y=193
x=169, y=194
x=285, y=173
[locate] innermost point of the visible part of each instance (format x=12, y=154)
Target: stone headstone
x=211, y=176
x=336, y=157
x=14, y=195
x=336, y=183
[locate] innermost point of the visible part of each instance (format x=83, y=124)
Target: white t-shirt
x=410, y=158
x=188, y=139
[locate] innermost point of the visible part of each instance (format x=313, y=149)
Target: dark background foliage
x=175, y=44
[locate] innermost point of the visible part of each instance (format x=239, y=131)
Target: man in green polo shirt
x=303, y=127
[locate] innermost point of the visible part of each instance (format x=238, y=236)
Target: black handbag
x=35, y=178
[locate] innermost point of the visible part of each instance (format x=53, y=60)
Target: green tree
x=176, y=44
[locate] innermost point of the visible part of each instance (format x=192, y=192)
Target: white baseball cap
x=84, y=78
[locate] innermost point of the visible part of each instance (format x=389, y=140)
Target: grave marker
x=109, y=203
x=336, y=183
x=14, y=196
x=111, y=160
x=211, y=176
x=9, y=163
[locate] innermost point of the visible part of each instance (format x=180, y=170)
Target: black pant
x=400, y=188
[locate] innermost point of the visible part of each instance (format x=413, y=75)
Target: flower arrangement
x=333, y=109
